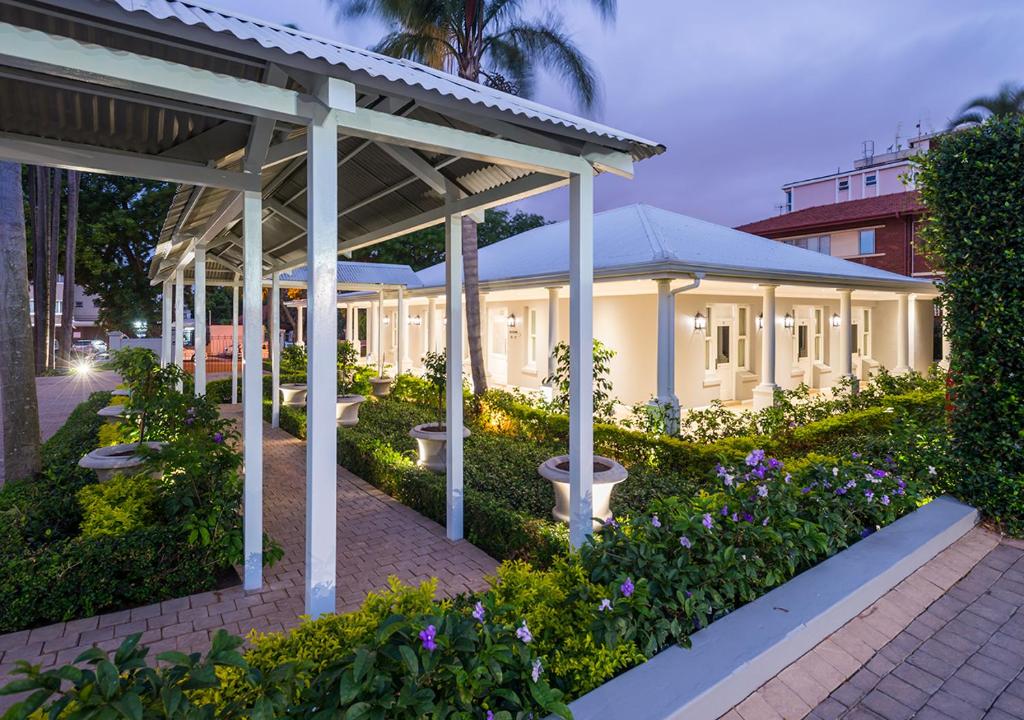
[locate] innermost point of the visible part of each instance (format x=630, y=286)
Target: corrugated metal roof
x=363, y=273
x=641, y=237
x=356, y=59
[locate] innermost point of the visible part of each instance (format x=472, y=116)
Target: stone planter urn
x=432, y=441
x=121, y=392
x=381, y=386
x=124, y=459
x=293, y=394
x=607, y=474
x=346, y=409
x=112, y=413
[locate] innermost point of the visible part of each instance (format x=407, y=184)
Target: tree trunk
x=471, y=284
x=68, y=316
x=52, y=255
x=39, y=188
x=19, y=409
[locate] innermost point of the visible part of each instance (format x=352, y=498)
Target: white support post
x=846, y=336
x=764, y=394
x=322, y=367
x=252, y=388
x=666, y=383
x=581, y=357
x=179, y=319
x=199, y=308
x=300, y=335
x=453, y=388
x=372, y=331
x=431, y=324
x=402, y=351
x=947, y=344
x=378, y=333
x=166, y=321
x=275, y=349
x=234, y=340
x=902, y=333
x=552, y=329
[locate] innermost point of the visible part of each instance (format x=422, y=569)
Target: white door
x=725, y=355
x=803, y=340
x=497, y=345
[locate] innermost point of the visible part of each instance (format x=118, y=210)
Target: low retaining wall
x=734, y=656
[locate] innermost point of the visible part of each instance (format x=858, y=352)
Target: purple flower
x=189, y=420
x=724, y=510
x=764, y=523
x=855, y=455
x=735, y=517
x=868, y=494
x=788, y=479
x=490, y=715
x=685, y=542
x=774, y=464
x=537, y=667
x=762, y=491
x=707, y=521
x=805, y=490
x=655, y=522
x=755, y=457
x=758, y=472
x=524, y=634
x=627, y=588
x=885, y=499
x=747, y=517
x=218, y=437
x=478, y=612
x=879, y=473
x=610, y=521
x=427, y=636
x=605, y=605
x=841, y=491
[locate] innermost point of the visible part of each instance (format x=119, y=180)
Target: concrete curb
x=734, y=656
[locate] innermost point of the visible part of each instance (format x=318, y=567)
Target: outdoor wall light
x=700, y=322
x=387, y=319
x=760, y=321
x=416, y=320
x=788, y=321
x=511, y=321
x=836, y=320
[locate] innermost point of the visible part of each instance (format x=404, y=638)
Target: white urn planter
x=346, y=409
x=121, y=392
x=112, y=413
x=381, y=386
x=293, y=394
x=432, y=441
x=124, y=459
x=607, y=474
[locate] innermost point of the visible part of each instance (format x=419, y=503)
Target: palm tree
x=490, y=41
x=19, y=409
x=1009, y=100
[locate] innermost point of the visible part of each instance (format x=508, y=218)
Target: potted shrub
x=607, y=474
x=432, y=438
x=382, y=382
x=348, y=401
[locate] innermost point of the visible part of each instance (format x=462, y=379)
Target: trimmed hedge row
x=220, y=390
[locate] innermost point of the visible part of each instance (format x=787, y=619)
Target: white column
x=351, y=326
x=199, y=306
x=581, y=357
x=322, y=367
x=371, y=331
x=378, y=333
x=252, y=387
x=431, y=324
x=166, y=320
x=764, y=394
x=846, y=334
x=453, y=389
x=666, y=383
x=402, y=351
x=947, y=345
x=275, y=349
x=902, y=333
x=300, y=336
x=179, y=318
x=234, y=340
x=552, y=329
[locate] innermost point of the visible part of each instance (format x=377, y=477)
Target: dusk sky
x=748, y=94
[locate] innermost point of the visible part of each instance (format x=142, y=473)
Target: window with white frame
x=818, y=243
x=531, y=337
x=709, y=354
x=844, y=184
x=819, y=322
x=866, y=243
x=865, y=329
x=871, y=180
x=742, y=318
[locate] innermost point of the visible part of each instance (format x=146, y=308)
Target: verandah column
x=846, y=336
x=351, y=326
x=902, y=333
x=666, y=394
x=378, y=333
x=234, y=340
x=166, y=320
x=179, y=317
x=453, y=387
x=431, y=324
x=402, y=351
x=322, y=365
x=552, y=329
x=199, y=307
x=764, y=394
x=252, y=387
x=300, y=336
x=275, y=349
x=581, y=357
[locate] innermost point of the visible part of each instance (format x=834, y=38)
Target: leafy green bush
x=116, y=507
x=972, y=183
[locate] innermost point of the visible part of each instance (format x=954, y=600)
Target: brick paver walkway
x=377, y=537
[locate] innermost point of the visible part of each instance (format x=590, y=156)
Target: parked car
x=91, y=348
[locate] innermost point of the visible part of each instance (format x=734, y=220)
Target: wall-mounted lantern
x=512, y=321
x=836, y=320
x=415, y=320
x=700, y=322
x=788, y=321
x=760, y=321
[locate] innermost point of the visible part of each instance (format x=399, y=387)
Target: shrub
x=604, y=401
x=116, y=507
x=972, y=183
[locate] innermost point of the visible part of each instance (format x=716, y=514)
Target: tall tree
x=493, y=41
x=19, y=409
x=1008, y=100
x=70, y=239
x=38, y=185
x=52, y=254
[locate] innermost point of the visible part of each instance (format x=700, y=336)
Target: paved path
x=947, y=643
x=59, y=395
x=377, y=537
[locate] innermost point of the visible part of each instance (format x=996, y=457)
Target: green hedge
x=972, y=183
x=220, y=390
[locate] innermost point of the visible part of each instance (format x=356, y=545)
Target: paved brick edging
x=867, y=641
